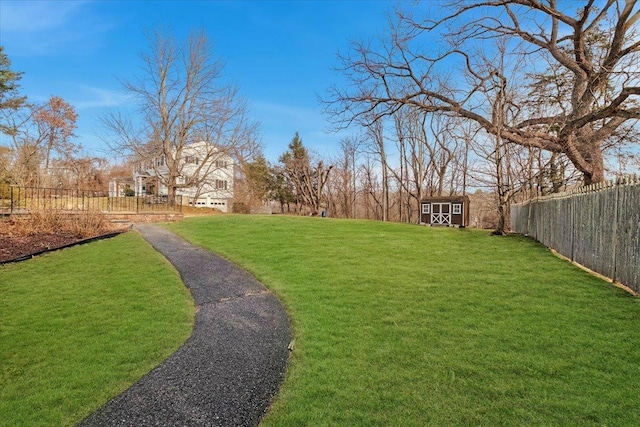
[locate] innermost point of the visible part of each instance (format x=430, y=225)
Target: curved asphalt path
x=230, y=368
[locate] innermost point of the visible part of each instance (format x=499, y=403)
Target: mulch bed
x=17, y=245
x=12, y=246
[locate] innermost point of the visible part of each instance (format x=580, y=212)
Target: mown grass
x=80, y=325
x=400, y=325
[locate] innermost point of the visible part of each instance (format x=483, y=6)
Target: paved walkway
x=227, y=372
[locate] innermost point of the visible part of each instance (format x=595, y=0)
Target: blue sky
x=279, y=53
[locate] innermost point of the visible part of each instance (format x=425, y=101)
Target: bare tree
x=182, y=101
x=603, y=78
x=375, y=131
x=413, y=160
x=499, y=157
x=431, y=156
x=373, y=191
x=56, y=122
x=465, y=132
x=350, y=147
x=309, y=181
x=89, y=173
x=35, y=133
x=443, y=152
x=25, y=155
x=342, y=189
x=39, y=135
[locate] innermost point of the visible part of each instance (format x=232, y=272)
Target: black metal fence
x=595, y=226
x=17, y=200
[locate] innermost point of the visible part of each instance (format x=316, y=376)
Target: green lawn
x=400, y=325
x=80, y=325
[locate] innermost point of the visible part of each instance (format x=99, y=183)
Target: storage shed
x=450, y=211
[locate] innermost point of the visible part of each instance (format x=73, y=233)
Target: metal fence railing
x=595, y=226
x=16, y=200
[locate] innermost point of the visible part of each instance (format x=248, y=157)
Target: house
x=211, y=172
x=120, y=187
x=445, y=210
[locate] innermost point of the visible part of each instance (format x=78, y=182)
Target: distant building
x=213, y=174
x=446, y=210
x=120, y=187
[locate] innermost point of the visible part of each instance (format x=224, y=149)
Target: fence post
x=572, y=212
x=529, y=213
x=11, y=205
x=615, y=234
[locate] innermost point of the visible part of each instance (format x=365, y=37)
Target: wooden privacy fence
x=597, y=226
x=19, y=200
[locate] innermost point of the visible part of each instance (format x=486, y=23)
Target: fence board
x=598, y=227
x=520, y=218
x=627, y=267
x=594, y=231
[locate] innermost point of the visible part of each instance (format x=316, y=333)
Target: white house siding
x=210, y=195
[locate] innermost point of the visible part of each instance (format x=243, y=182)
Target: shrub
x=240, y=208
x=82, y=224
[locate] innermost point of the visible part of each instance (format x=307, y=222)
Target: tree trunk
x=502, y=220
x=597, y=167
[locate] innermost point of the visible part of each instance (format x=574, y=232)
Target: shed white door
x=440, y=213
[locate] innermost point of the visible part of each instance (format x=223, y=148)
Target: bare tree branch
x=596, y=52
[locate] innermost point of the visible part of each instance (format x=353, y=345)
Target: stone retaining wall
x=143, y=217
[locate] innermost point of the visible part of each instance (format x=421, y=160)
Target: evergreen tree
x=307, y=181
x=9, y=99
x=258, y=176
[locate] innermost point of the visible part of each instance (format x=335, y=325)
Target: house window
x=426, y=208
x=221, y=185
x=221, y=164
x=191, y=159
x=457, y=208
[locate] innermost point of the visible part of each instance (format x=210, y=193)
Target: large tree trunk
x=596, y=174
x=502, y=221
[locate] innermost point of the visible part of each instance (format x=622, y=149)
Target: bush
x=5, y=190
x=240, y=208
x=82, y=224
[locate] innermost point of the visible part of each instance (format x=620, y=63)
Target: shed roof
x=446, y=199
